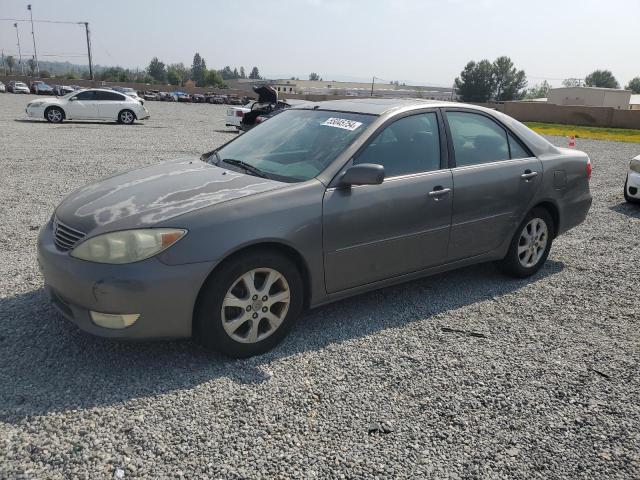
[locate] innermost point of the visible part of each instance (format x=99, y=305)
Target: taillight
x=260, y=119
x=239, y=113
x=589, y=168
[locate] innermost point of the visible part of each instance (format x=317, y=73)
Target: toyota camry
x=323, y=201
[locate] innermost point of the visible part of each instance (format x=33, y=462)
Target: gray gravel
x=372, y=387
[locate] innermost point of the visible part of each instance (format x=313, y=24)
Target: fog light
x=109, y=320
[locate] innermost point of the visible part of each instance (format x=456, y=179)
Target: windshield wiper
x=247, y=166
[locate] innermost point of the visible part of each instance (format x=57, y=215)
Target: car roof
x=375, y=106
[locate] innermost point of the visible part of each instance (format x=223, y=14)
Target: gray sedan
x=321, y=202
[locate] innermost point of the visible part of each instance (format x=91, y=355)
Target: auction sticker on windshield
x=341, y=123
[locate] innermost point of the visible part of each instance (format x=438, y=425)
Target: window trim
x=94, y=99
x=507, y=131
x=444, y=154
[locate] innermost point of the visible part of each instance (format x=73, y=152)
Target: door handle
x=438, y=192
x=528, y=175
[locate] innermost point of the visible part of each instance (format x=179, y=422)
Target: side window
x=408, y=145
x=88, y=95
x=476, y=139
x=109, y=96
x=517, y=150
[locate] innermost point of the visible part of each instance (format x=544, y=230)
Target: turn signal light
x=589, y=168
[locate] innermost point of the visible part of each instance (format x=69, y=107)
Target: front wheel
x=54, y=115
x=126, y=116
x=530, y=245
x=249, y=305
x=628, y=198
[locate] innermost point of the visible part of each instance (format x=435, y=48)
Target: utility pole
x=19, y=51
x=372, y=82
x=35, y=53
x=86, y=28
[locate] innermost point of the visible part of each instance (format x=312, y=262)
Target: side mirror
x=73, y=99
x=363, y=174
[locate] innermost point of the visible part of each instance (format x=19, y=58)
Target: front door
x=495, y=177
x=84, y=105
x=374, y=232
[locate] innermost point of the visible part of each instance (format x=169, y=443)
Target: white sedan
x=632, y=185
x=93, y=104
x=235, y=114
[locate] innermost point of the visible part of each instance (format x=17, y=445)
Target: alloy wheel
x=255, y=305
x=54, y=115
x=533, y=242
x=126, y=117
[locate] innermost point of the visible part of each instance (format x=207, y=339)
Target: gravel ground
x=538, y=378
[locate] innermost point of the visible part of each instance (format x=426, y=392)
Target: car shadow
x=48, y=365
x=628, y=209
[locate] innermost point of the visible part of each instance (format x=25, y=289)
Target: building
x=590, y=97
x=634, y=103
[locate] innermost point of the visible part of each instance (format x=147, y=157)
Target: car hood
x=47, y=101
x=147, y=196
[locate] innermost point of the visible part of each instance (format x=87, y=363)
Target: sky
x=424, y=42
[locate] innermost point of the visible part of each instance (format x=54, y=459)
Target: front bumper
x=35, y=112
x=633, y=184
x=164, y=296
x=144, y=115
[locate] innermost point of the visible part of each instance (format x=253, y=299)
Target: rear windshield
x=295, y=145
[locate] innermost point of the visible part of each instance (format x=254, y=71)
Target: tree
x=157, y=70
x=314, y=77
x=235, y=73
x=571, y=82
x=475, y=83
x=198, y=69
x=226, y=73
x=509, y=83
x=601, y=78
x=634, y=85
x=213, y=79
x=242, y=74
x=11, y=62
x=255, y=74
x=539, y=91
x=177, y=74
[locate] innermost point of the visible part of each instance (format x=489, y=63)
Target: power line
x=38, y=21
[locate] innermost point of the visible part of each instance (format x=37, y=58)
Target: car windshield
x=20, y=84
x=295, y=145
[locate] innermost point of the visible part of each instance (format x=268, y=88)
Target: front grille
x=65, y=237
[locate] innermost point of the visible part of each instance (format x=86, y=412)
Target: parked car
x=321, y=202
x=18, y=87
x=217, y=99
x=181, y=96
x=632, y=183
x=166, y=97
x=3, y=89
x=62, y=90
x=197, y=98
x=77, y=87
x=234, y=114
x=93, y=104
x=265, y=107
x=235, y=100
x=150, y=95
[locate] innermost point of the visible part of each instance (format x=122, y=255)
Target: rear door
x=375, y=232
x=110, y=104
x=84, y=105
x=495, y=177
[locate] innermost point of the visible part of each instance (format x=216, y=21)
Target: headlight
x=35, y=104
x=635, y=165
x=127, y=246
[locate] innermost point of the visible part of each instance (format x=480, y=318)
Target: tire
x=240, y=321
x=520, y=262
x=54, y=115
x=627, y=198
x=126, y=117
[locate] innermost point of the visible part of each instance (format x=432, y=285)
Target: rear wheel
x=127, y=117
x=54, y=114
x=530, y=245
x=249, y=305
